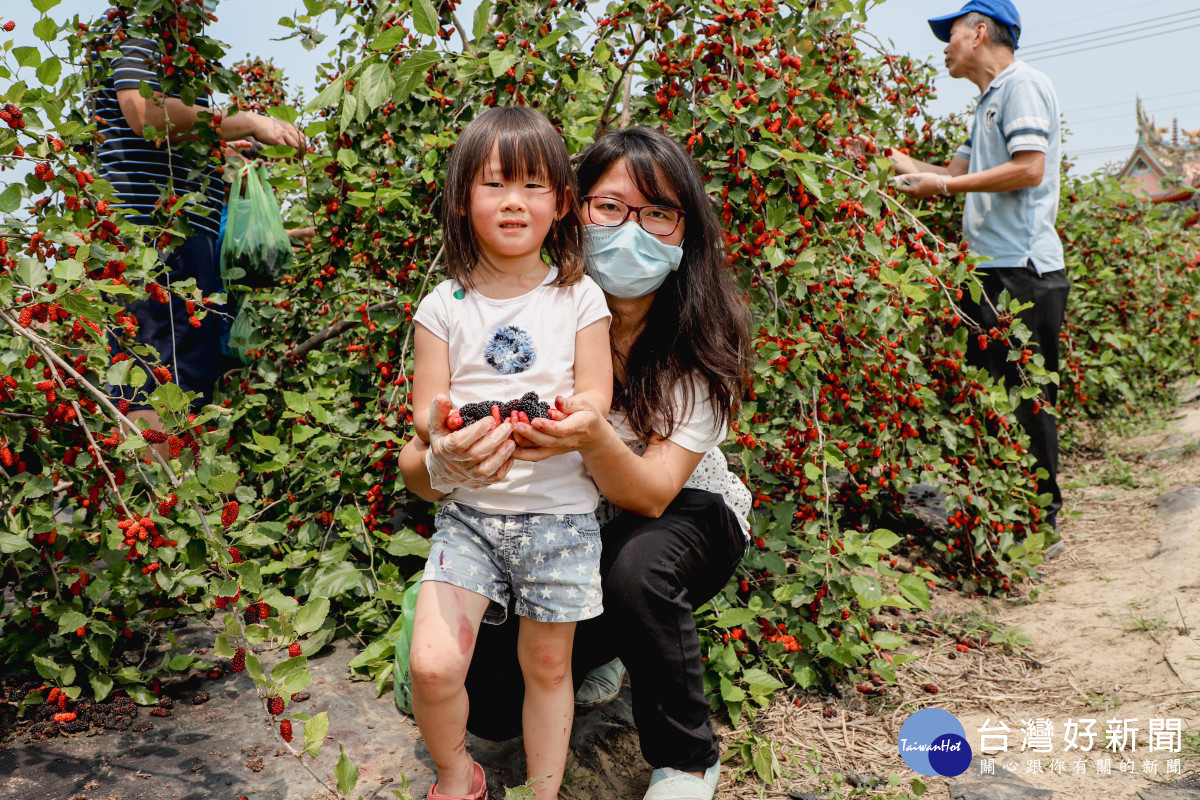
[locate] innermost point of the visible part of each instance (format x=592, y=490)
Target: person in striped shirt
x=142, y=171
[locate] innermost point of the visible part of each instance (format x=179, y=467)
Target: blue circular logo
x=934, y=742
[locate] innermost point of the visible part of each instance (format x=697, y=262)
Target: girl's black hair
x=528, y=145
x=698, y=325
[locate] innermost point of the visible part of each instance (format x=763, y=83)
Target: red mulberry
x=239, y=660
x=294, y=650
x=285, y=729
x=230, y=513
x=236, y=555
x=175, y=445
x=153, y=436
x=275, y=705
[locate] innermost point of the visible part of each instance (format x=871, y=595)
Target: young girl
x=507, y=323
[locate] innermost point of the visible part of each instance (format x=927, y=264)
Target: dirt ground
x=1110, y=631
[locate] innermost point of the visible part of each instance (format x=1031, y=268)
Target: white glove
x=449, y=460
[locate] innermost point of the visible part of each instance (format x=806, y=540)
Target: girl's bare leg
x=444, y=629
x=544, y=649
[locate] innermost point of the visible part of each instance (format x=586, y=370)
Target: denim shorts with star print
x=546, y=565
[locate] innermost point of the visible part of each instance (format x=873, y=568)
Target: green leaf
x=345, y=771
x=735, y=617
x=407, y=543
x=314, y=734
x=888, y=640
x=101, y=685
x=311, y=615
x=10, y=199
x=45, y=5
x=68, y=270
x=759, y=161
x=479, y=25
x=915, y=590
x=222, y=483
x=31, y=273
x=278, y=151
x=425, y=20
x=375, y=85
x=285, y=113
x=884, y=539
x=70, y=621
x=251, y=578
x=11, y=543
x=46, y=29
x=761, y=682
x=389, y=38
x=27, y=56
x=501, y=61
x=50, y=70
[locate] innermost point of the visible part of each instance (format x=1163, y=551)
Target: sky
x=1100, y=55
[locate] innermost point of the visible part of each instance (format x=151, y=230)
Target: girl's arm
x=431, y=374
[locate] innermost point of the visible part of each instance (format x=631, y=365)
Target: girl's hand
x=575, y=425
x=471, y=458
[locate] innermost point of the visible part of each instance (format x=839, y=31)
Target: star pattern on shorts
x=555, y=575
x=550, y=536
x=589, y=547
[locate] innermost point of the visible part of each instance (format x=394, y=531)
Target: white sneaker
x=672, y=784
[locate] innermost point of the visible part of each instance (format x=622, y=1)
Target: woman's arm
x=644, y=484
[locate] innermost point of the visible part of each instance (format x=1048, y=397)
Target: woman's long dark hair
x=698, y=324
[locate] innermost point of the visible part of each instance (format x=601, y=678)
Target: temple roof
x=1172, y=154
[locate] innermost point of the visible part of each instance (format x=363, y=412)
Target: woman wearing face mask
x=675, y=519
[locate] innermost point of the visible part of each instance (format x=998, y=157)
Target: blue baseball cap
x=1003, y=11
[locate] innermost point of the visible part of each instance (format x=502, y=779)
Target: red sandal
x=477, y=779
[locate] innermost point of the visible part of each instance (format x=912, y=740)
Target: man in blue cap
x=1008, y=168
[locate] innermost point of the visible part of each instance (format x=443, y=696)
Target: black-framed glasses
x=610, y=212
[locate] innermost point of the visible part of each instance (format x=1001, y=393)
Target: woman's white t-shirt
x=501, y=349
x=700, y=432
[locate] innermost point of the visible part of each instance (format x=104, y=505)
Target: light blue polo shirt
x=1019, y=111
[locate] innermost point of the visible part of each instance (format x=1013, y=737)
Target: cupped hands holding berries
x=575, y=426
x=472, y=457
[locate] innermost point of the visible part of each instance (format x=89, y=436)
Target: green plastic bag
x=401, y=677
x=256, y=243
x=244, y=336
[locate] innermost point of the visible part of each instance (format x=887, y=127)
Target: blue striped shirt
x=138, y=169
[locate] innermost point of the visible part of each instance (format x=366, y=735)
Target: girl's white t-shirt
x=501, y=349
x=700, y=432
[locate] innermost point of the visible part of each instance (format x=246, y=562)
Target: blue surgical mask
x=628, y=262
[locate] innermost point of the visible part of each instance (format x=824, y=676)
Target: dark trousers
x=1048, y=293
x=192, y=354
x=655, y=573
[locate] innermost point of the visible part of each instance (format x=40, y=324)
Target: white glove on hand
x=449, y=460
